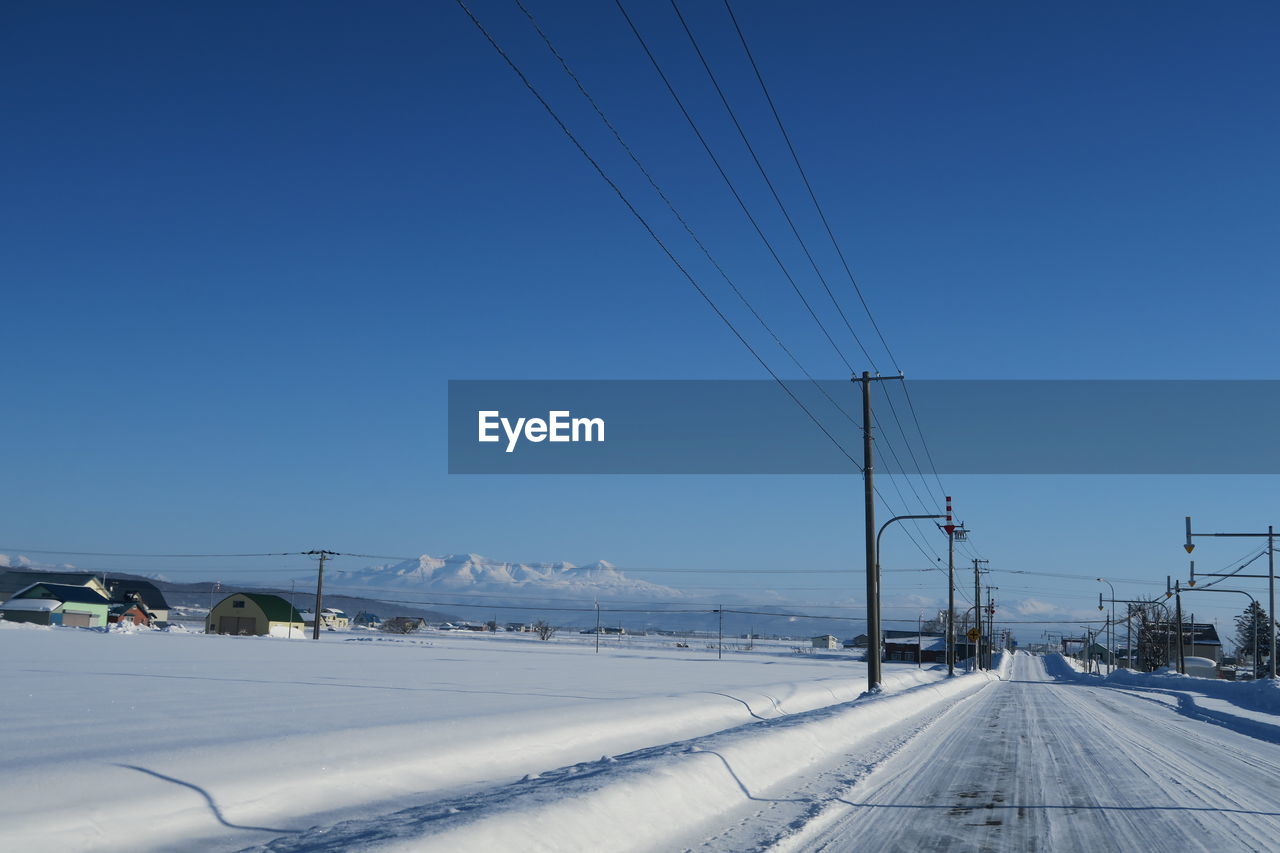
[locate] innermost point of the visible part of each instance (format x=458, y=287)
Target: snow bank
x=647, y=799
x=221, y=742
x=1249, y=707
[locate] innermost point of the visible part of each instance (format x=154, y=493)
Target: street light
x=1270, y=536
x=873, y=609
x=1111, y=636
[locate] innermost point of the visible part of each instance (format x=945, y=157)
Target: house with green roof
x=255, y=614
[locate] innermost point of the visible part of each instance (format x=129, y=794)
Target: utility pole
x=322, y=554
x=1177, y=609
x=597, y=626
x=977, y=597
x=991, y=618
x=1128, y=619
x=953, y=532
x=951, y=594
x=869, y=511
x=720, y=641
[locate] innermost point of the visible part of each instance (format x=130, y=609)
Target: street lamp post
x=1111, y=636
x=873, y=608
x=1270, y=536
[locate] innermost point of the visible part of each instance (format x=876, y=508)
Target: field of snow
x=148, y=740
x=460, y=741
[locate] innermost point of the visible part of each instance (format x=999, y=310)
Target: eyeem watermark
x=558, y=426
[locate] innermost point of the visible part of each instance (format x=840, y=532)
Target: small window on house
x=237, y=604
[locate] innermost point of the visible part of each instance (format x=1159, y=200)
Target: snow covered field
x=459, y=742
x=151, y=740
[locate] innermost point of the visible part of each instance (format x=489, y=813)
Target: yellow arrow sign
x=1189, y=548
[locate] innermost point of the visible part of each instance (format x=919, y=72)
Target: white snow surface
x=218, y=743
x=483, y=742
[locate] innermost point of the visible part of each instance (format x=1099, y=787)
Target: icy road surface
x=1038, y=763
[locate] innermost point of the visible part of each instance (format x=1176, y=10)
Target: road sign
x=974, y=635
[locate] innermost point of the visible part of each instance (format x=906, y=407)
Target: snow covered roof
x=36, y=604
x=930, y=643
x=63, y=592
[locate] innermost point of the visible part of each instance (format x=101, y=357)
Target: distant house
x=143, y=592
x=860, y=641
x=132, y=613
x=330, y=619
x=120, y=591
x=930, y=649
x=57, y=604
x=826, y=641
x=519, y=626
x=1201, y=641
x=1099, y=653
x=255, y=614
x=365, y=619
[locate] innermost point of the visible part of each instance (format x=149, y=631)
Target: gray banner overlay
x=972, y=426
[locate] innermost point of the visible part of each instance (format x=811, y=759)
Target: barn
x=255, y=614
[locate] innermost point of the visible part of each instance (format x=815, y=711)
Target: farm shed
x=255, y=614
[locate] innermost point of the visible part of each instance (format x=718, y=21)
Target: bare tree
x=1154, y=635
x=544, y=630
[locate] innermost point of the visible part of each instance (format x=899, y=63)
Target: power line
x=728, y=182
x=813, y=196
x=808, y=186
x=826, y=224
x=706, y=146
x=617, y=135
x=119, y=554
x=769, y=183
x=645, y=224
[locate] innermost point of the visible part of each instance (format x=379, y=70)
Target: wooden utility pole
x=977, y=597
x=315, y=632
x=869, y=512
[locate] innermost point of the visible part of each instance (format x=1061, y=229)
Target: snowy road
x=1037, y=763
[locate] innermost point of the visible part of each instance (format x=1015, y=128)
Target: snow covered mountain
x=472, y=573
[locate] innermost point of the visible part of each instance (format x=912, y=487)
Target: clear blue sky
x=247, y=245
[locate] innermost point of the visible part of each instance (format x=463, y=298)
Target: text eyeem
x=558, y=426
